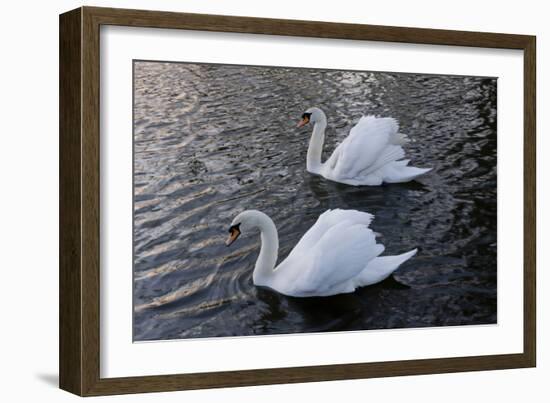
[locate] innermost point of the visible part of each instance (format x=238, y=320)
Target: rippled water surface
x=212, y=140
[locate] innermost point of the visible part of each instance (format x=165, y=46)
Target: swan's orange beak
x=304, y=121
x=234, y=233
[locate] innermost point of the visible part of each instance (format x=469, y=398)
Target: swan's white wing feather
x=372, y=124
x=328, y=219
x=340, y=255
x=366, y=147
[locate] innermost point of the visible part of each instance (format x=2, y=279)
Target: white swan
x=370, y=155
x=336, y=255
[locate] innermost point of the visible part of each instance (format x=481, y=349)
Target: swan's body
x=370, y=155
x=336, y=255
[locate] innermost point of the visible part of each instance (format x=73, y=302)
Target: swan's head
x=243, y=222
x=312, y=115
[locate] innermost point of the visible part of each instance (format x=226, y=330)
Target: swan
x=370, y=155
x=336, y=255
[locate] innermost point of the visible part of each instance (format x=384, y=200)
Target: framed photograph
x=249, y=201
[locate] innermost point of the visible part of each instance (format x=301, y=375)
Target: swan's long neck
x=263, y=271
x=315, y=149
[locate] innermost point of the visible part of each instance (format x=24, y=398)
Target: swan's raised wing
x=368, y=147
x=327, y=220
x=340, y=255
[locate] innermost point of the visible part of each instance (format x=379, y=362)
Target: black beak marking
x=234, y=232
x=235, y=227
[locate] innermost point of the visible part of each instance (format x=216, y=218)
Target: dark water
x=211, y=141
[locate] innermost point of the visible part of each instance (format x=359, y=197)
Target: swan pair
x=339, y=253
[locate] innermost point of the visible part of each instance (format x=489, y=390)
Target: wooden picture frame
x=79, y=278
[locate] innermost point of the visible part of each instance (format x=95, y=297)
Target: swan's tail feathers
x=382, y=267
x=398, y=171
